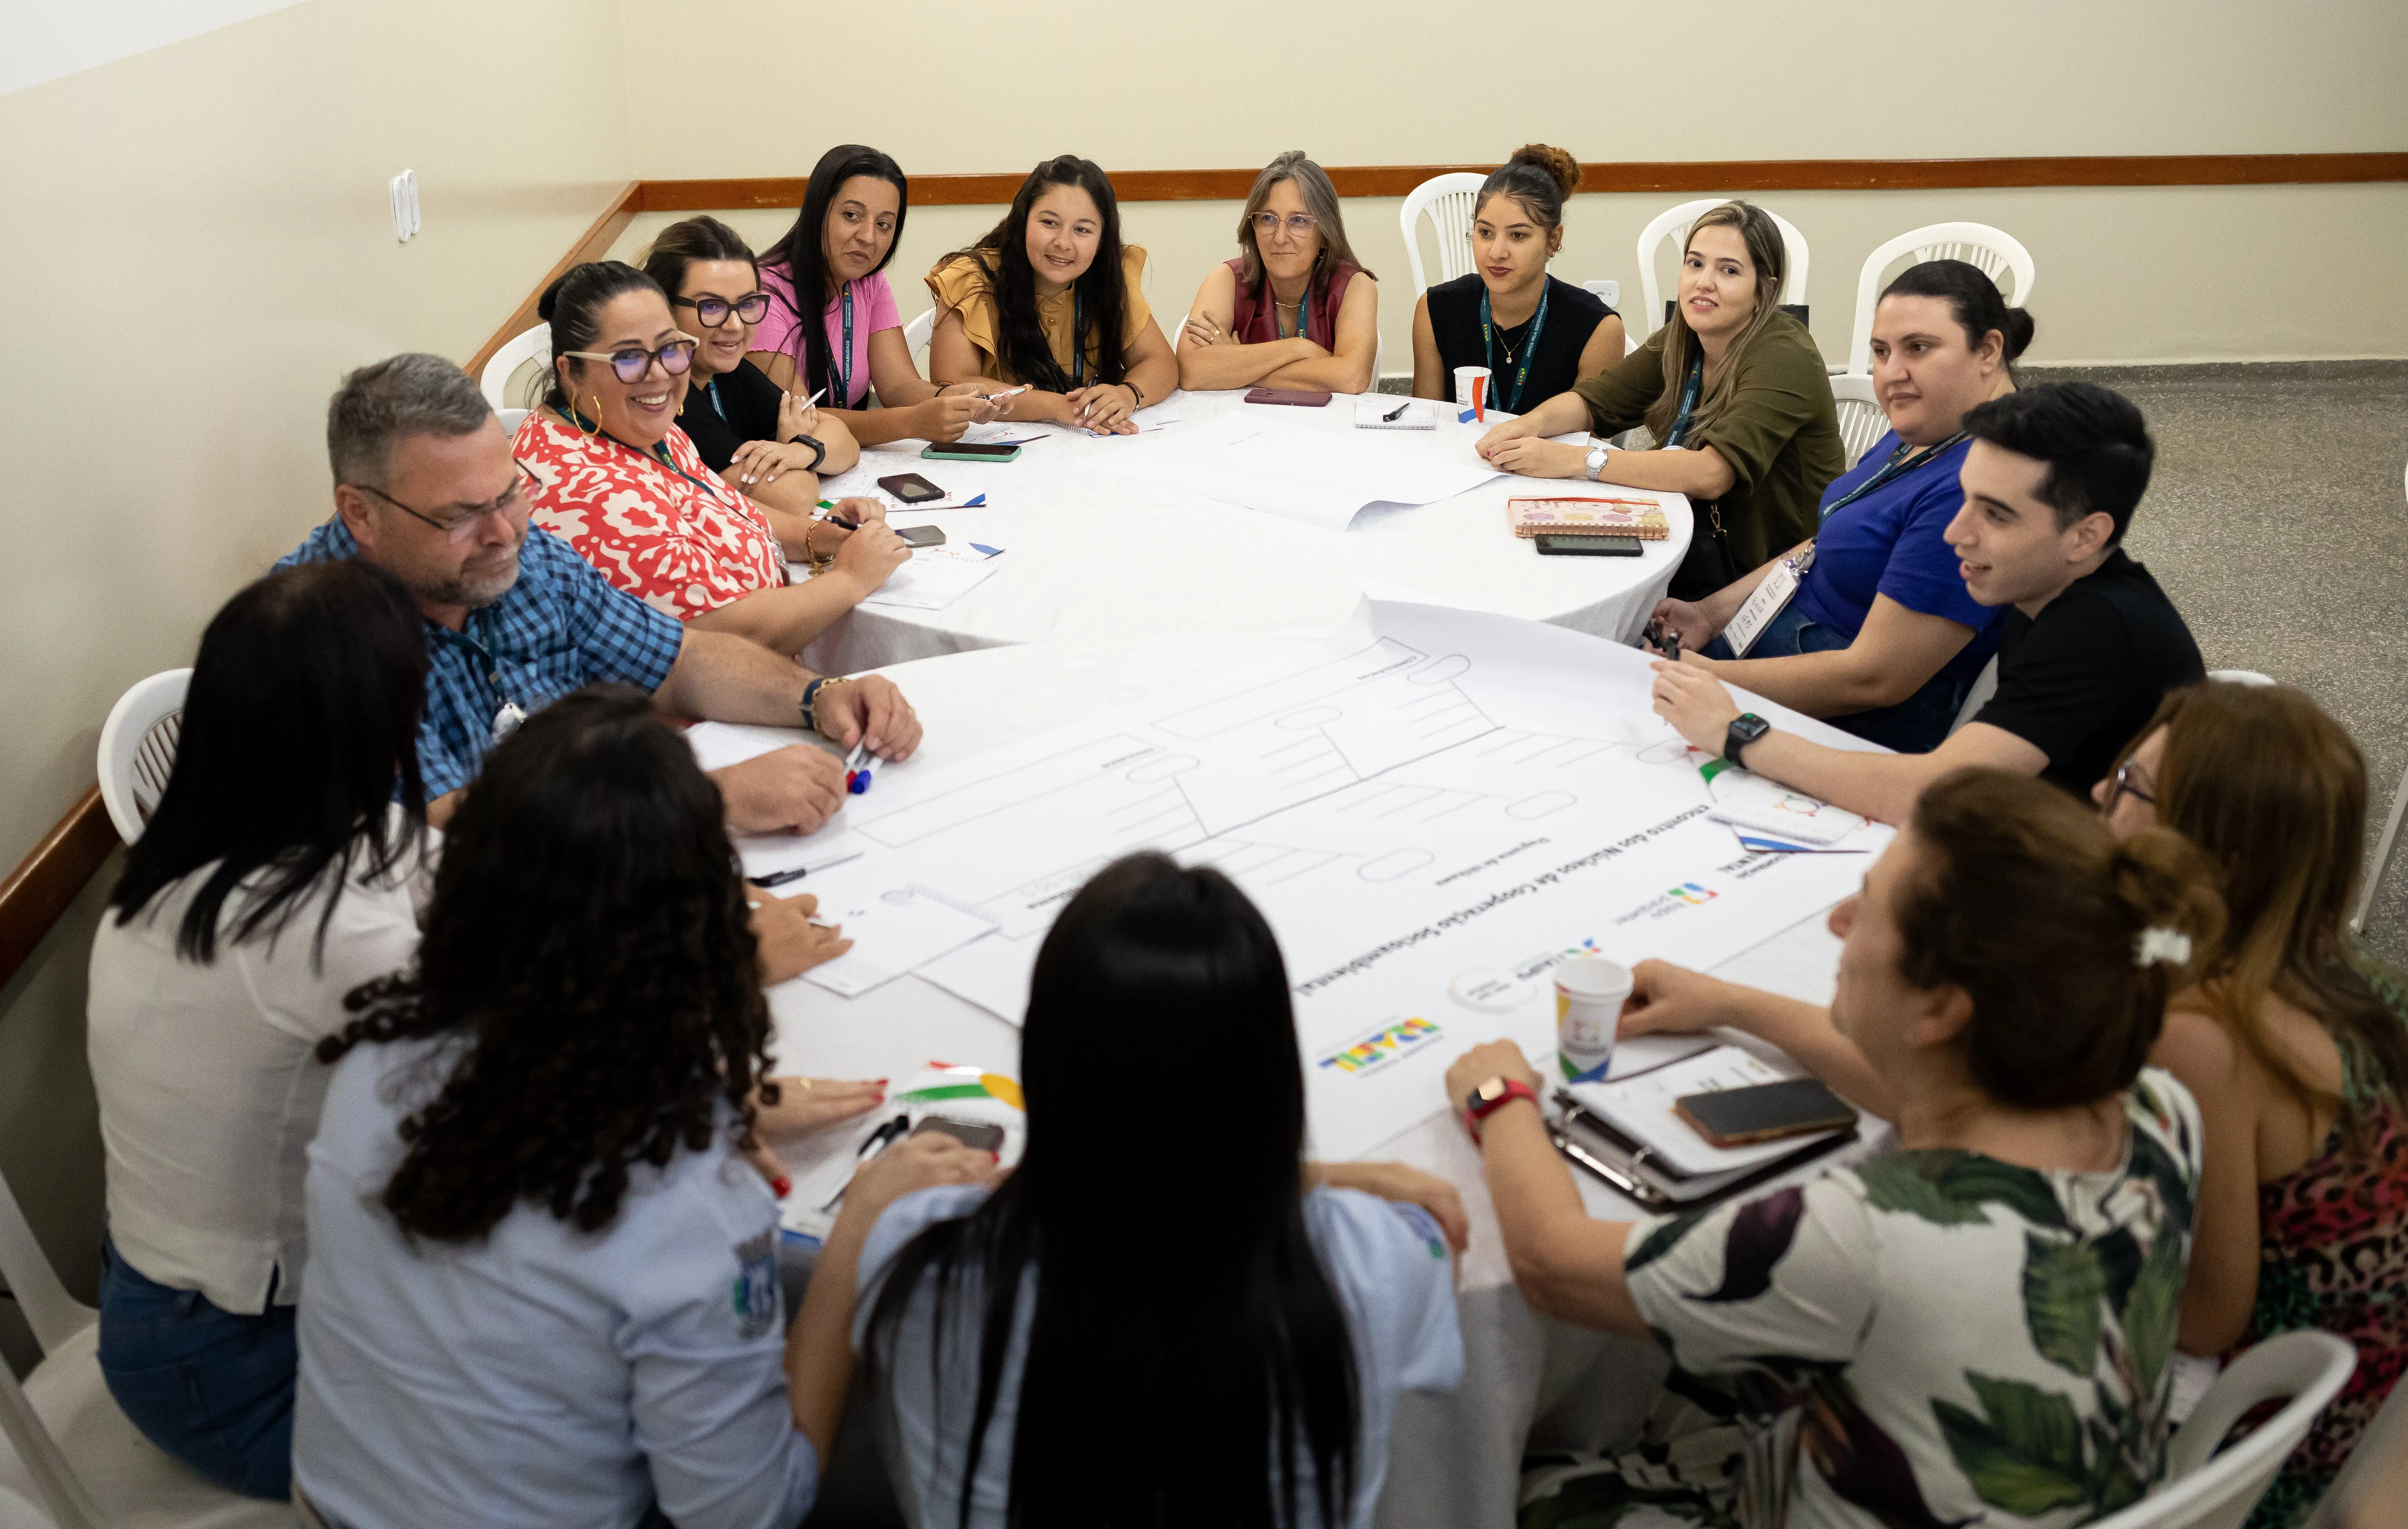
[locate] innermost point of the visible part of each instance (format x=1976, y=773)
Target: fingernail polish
x=781, y=1186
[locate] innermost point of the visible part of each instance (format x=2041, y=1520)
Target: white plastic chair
x=2384, y=849
x=2234, y=676
x=916, y=336
x=535, y=345
x=2204, y=1489
x=1998, y=254
x=2372, y=1467
x=1977, y=694
x=1673, y=224
x=137, y=749
x=1862, y=419
x=511, y=419
x=74, y=1452
x=1448, y=200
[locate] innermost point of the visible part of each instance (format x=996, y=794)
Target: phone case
x=1301, y=397
x=943, y=452
x=911, y=488
x=921, y=536
x=1586, y=546
x=1765, y=1113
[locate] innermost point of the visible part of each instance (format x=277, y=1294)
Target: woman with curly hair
x=543, y=1284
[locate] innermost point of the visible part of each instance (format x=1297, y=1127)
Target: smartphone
x=1587, y=546
x=962, y=450
x=971, y=1133
x=921, y=536
x=1303, y=397
x=1767, y=1112
x=911, y=488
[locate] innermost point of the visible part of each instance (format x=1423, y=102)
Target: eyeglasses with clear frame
x=1298, y=224
x=458, y=527
x=630, y=363
x=713, y=311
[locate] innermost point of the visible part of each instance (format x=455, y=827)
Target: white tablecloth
x=1454, y=1458
x=1089, y=556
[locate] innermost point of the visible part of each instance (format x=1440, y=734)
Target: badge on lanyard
x=1770, y=597
x=507, y=720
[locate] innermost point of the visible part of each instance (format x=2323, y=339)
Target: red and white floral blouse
x=673, y=534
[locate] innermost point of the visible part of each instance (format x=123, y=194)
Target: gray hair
x=379, y=405
x=1320, y=199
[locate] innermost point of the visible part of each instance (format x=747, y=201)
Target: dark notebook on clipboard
x=1626, y=1130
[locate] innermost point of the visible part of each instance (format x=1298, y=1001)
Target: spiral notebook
x=1641, y=518
x=1371, y=413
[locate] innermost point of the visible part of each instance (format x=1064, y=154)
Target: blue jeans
x=210, y=1387
x=1916, y=724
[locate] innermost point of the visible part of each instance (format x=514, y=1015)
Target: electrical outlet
x=403, y=191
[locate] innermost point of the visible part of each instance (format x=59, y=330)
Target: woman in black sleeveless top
x=1536, y=334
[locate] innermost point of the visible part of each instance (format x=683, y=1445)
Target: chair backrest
x=1862, y=419
x=2205, y=1490
x=1999, y=255
x=511, y=419
x=1978, y=694
x=1448, y=201
x=137, y=749
x=2240, y=676
x=68, y=1505
x=916, y=336
x=1673, y=223
x=534, y=345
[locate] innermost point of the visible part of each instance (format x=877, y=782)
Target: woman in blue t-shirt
x=1881, y=637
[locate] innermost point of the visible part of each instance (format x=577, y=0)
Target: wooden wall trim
x=603, y=233
x=1670, y=176
x=38, y=891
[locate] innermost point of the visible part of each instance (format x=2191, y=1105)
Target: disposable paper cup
x=1589, y=994
x=1471, y=390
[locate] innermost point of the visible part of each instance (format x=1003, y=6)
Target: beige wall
x=199, y=246
x=2173, y=274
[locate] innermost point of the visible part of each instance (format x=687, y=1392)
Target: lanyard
x=1303, y=313
x=509, y=713
x=1511, y=401
x=1688, y=400
x=1078, y=339
x=1899, y=466
x=710, y=390
x=844, y=362
x=659, y=455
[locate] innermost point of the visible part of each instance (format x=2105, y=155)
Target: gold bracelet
x=819, y=706
x=818, y=563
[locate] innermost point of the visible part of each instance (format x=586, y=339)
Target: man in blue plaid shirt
x=426, y=489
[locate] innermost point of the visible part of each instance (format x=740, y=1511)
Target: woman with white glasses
x=1296, y=308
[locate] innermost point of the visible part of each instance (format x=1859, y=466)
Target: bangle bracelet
x=815, y=694
x=1134, y=394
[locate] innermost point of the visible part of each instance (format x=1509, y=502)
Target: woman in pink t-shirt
x=835, y=257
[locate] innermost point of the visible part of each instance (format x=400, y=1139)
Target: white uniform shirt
x=540, y=1375
x=1387, y=1262
x=209, y=1093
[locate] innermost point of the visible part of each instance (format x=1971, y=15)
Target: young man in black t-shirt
x=2091, y=646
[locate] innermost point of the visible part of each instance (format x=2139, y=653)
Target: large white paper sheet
x=1445, y=793
x=1316, y=476
x=933, y=579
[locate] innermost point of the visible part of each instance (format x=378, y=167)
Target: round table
x=1088, y=555
x=1455, y=1458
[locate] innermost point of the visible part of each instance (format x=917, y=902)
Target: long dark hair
x=588, y=945
x=801, y=252
x=300, y=735
x=1169, y=1378
x=1101, y=290
x=573, y=305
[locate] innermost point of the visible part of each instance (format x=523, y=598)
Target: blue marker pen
x=856, y=769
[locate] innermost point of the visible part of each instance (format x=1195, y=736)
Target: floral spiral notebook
x=1641, y=518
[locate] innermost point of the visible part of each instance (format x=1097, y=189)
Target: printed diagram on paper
x=1448, y=796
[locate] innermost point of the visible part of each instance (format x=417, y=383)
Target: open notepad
x=1627, y=1132
x=1371, y=413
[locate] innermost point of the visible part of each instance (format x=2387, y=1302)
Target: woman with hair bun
x=1537, y=336
x=1294, y=309
x=1881, y=637
x=2005, y=1286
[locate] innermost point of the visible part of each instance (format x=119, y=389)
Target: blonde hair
x=1770, y=257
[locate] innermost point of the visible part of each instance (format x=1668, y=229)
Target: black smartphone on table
x=911, y=488
x=1765, y=1112
x=921, y=536
x=1587, y=546
x=977, y=1134
x=964, y=451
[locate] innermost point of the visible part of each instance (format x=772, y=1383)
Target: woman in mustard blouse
x=1049, y=303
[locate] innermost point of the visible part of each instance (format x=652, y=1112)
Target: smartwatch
x=1746, y=728
x=815, y=445
x=1597, y=461
x=1492, y=1096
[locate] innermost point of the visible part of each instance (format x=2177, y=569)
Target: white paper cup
x=1471, y=390
x=1589, y=994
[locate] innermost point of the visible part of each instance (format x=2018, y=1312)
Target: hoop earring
x=597, y=400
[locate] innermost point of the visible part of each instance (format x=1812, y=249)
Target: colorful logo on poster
x=1691, y=893
x=1381, y=1048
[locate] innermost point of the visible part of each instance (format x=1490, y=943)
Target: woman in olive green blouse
x=1733, y=388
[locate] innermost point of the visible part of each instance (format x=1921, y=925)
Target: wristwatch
x=814, y=443
x=1492, y=1096
x=1746, y=728
x=1597, y=461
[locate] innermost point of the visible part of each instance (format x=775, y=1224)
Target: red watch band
x=1477, y=1109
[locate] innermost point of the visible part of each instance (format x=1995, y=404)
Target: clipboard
x=1593, y=1143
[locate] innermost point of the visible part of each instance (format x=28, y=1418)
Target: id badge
x=507, y=720
x=1771, y=599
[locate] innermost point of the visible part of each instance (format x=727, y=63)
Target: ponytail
x=2069, y=945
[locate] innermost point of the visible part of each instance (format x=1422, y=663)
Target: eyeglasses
x=630, y=364
x=1298, y=224
x=2129, y=782
x=513, y=500
x=714, y=311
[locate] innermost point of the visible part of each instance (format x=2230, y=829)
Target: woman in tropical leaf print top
x=1977, y=1327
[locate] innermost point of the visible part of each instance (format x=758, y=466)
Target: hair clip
x=2158, y=944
